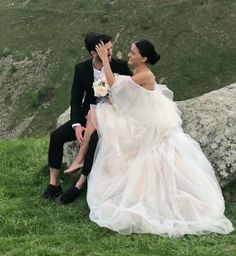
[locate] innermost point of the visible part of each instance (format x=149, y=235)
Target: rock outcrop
x=211, y=120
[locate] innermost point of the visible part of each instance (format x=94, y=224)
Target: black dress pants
x=63, y=134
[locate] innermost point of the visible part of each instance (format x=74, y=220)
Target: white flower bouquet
x=101, y=88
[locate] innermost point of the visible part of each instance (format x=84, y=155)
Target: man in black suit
x=82, y=95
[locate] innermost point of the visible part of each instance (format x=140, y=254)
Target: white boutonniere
x=101, y=88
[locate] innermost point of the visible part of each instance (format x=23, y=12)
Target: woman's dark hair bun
x=146, y=49
x=154, y=58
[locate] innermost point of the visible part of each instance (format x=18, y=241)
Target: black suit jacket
x=82, y=87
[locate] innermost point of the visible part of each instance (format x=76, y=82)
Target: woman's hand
x=103, y=54
x=102, y=51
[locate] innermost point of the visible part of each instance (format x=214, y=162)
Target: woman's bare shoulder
x=143, y=77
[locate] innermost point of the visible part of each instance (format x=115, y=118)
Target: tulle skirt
x=146, y=182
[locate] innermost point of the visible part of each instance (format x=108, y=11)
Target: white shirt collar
x=98, y=74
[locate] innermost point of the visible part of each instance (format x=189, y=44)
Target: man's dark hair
x=94, y=38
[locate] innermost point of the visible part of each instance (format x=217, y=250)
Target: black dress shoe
x=69, y=196
x=52, y=191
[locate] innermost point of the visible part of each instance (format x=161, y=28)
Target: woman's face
x=135, y=58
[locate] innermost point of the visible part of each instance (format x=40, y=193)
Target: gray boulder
x=211, y=120
x=70, y=148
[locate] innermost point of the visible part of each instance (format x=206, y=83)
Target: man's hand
x=79, y=134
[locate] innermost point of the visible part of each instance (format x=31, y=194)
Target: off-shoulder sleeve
x=149, y=108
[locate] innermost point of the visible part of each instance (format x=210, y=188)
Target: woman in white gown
x=149, y=176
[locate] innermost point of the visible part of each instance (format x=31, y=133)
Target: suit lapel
x=90, y=75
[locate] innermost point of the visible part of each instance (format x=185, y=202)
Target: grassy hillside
x=30, y=225
x=42, y=40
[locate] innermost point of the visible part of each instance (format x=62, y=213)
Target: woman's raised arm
x=103, y=54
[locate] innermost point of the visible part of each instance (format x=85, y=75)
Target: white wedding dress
x=149, y=176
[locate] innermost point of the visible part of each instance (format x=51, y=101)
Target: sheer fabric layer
x=148, y=175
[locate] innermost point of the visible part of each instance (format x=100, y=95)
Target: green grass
x=30, y=225
x=196, y=40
